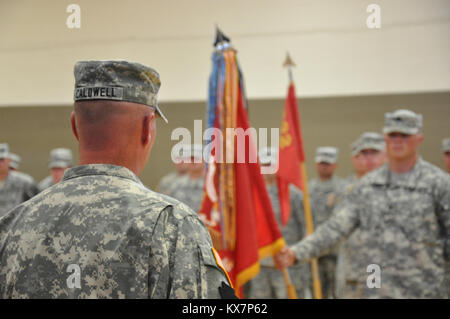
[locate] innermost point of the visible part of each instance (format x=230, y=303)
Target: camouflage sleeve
x=30, y=190
x=183, y=258
x=327, y=235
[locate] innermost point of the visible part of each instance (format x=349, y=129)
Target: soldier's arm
x=192, y=270
x=327, y=235
x=30, y=190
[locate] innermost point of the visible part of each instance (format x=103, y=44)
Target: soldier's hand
x=285, y=258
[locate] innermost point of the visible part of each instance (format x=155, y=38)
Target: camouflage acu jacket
x=100, y=233
x=404, y=228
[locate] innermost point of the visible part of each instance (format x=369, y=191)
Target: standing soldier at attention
x=166, y=181
x=188, y=188
x=14, y=166
x=368, y=153
x=269, y=282
x=15, y=188
x=324, y=191
x=60, y=160
x=402, y=211
x=99, y=232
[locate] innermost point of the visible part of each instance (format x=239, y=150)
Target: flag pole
x=292, y=294
x=317, y=287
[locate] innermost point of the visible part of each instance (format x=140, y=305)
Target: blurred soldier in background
x=60, y=160
x=402, y=211
x=446, y=151
x=269, y=282
x=368, y=153
x=15, y=188
x=324, y=192
x=14, y=166
x=99, y=232
x=166, y=181
x=181, y=163
x=188, y=188
x=15, y=162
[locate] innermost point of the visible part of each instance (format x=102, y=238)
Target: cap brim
x=59, y=164
x=320, y=159
x=13, y=165
x=399, y=129
x=371, y=146
x=158, y=110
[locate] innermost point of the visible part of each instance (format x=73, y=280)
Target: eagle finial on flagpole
x=289, y=64
x=221, y=41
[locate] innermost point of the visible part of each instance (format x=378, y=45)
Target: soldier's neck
x=86, y=159
x=196, y=174
x=271, y=179
x=4, y=175
x=325, y=178
x=400, y=166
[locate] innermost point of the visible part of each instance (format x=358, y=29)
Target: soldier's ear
x=148, y=128
x=74, y=125
x=419, y=138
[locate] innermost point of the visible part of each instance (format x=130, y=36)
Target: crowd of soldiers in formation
x=128, y=241
x=185, y=184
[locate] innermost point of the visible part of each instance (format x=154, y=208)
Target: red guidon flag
x=291, y=154
x=236, y=207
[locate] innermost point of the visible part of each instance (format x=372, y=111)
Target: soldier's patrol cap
x=326, y=154
x=268, y=155
x=446, y=145
x=196, y=150
x=15, y=160
x=60, y=157
x=187, y=151
x=368, y=141
x=402, y=121
x=4, y=150
x=118, y=81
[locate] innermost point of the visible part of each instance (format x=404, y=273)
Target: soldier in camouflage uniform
x=368, y=153
x=60, y=160
x=15, y=187
x=100, y=233
x=166, y=182
x=269, y=283
x=324, y=193
x=188, y=189
x=14, y=166
x=402, y=210
x=181, y=163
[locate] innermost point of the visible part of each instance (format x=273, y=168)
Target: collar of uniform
x=383, y=176
x=329, y=183
x=100, y=169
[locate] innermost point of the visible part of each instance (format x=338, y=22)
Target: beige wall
x=336, y=54
x=33, y=131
